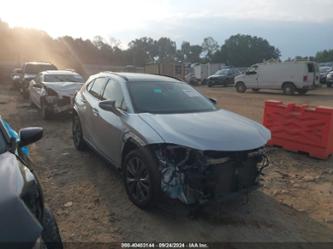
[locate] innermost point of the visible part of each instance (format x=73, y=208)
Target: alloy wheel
x=138, y=180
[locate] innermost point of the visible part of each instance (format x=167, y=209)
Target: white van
x=291, y=77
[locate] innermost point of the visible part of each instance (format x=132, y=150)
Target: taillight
x=305, y=78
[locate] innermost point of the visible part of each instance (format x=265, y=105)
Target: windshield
x=223, y=72
x=63, y=78
x=37, y=68
x=167, y=97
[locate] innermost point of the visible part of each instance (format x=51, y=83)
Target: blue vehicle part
x=13, y=134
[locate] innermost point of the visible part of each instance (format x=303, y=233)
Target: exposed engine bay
x=195, y=177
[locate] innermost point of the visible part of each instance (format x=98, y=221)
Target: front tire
x=329, y=85
x=289, y=89
x=77, y=133
x=50, y=235
x=240, y=87
x=141, y=178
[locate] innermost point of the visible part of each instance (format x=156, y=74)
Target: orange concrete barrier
x=300, y=128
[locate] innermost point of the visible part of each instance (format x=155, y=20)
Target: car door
x=91, y=98
x=111, y=126
x=36, y=90
x=230, y=77
x=251, y=77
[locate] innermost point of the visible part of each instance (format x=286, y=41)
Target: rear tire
x=142, y=178
x=50, y=235
x=329, y=85
x=289, y=89
x=77, y=133
x=240, y=87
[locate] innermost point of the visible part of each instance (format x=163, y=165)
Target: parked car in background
x=223, y=77
x=290, y=77
x=30, y=71
x=168, y=138
x=53, y=91
x=26, y=222
x=329, y=79
x=324, y=70
x=16, y=76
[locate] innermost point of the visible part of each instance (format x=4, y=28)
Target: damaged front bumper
x=56, y=104
x=195, y=177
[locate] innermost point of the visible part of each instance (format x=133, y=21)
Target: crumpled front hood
x=64, y=88
x=217, y=130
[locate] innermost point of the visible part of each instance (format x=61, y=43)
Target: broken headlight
x=194, y=176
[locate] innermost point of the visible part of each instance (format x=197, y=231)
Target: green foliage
x=324, y=56
x=20, y=45
x=209, y=48
x=189, y=53
x=245, y=50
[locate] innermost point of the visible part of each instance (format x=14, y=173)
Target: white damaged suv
x=53, y=91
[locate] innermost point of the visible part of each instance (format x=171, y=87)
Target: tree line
x=21, y=44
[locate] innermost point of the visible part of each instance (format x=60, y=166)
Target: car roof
x=38, y=63
x=134, y=77
x=59, y=72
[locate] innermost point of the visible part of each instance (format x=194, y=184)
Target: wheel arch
x=130, y=144
x=287, y=82
x=240, y=82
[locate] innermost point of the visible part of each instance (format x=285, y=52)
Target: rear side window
x=311, y=68
x=98, y=87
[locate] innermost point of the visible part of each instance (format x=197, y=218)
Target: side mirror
x=30, y=135
x=214, y=101
x=108, y=105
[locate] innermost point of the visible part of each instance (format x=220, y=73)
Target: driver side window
x=113, y=92
x=252, y=70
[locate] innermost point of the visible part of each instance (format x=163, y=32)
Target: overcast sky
x=296, y=27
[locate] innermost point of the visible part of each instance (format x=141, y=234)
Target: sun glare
x=85, y=18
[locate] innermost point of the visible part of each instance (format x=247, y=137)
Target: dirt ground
x=87, y=196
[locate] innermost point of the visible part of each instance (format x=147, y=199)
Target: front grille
x=233, y=176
